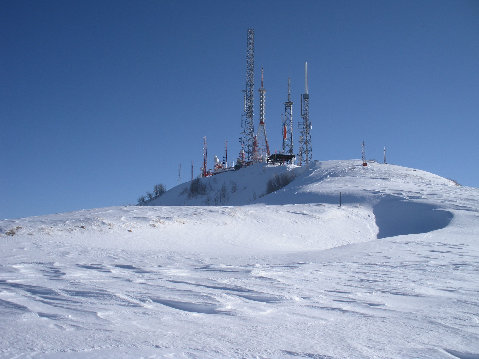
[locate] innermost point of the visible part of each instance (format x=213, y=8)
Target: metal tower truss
x=287, y=129
x=262, y=139
x=204, y=170
x=247, y=134
x=305, y=151
x=243, y=137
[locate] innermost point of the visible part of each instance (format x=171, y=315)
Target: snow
x=239, y=273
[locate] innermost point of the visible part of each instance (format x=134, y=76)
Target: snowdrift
x=396, y=195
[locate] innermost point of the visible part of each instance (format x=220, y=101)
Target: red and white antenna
x=261, y=139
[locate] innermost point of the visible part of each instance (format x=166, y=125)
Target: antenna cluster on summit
x=255, y=147
x=254, y=144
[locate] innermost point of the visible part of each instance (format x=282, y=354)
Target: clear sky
x=100, y=100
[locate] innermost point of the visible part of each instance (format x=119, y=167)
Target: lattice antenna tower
x=247, y=134
x=261, y=138
x=305, y=150
x=204, y=169
x=288, y=123
x=242, y=137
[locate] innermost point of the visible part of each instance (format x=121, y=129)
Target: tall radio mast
x=247, y=134
x=288, y=124
x=305, y=151
x=261, y=138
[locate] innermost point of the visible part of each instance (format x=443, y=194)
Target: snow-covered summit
x=320, y=182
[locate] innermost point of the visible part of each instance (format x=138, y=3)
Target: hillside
x=321, y=182
x=223, y=268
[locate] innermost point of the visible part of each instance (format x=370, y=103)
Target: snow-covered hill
x=223, y=268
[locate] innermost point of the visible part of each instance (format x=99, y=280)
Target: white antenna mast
x=306, y=77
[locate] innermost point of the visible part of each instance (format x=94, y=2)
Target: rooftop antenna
x=305, y=151
x=179, y=173
x=262, y=140
x=385, y=155
x=288, y=123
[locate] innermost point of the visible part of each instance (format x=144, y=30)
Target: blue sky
x=100, y=100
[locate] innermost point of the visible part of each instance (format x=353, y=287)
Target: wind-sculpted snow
x=395, y=216
x=392, y=273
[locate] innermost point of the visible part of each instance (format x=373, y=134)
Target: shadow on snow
x=395, y=217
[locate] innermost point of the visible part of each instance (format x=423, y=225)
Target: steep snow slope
x=228, y=188
x=393, y=272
